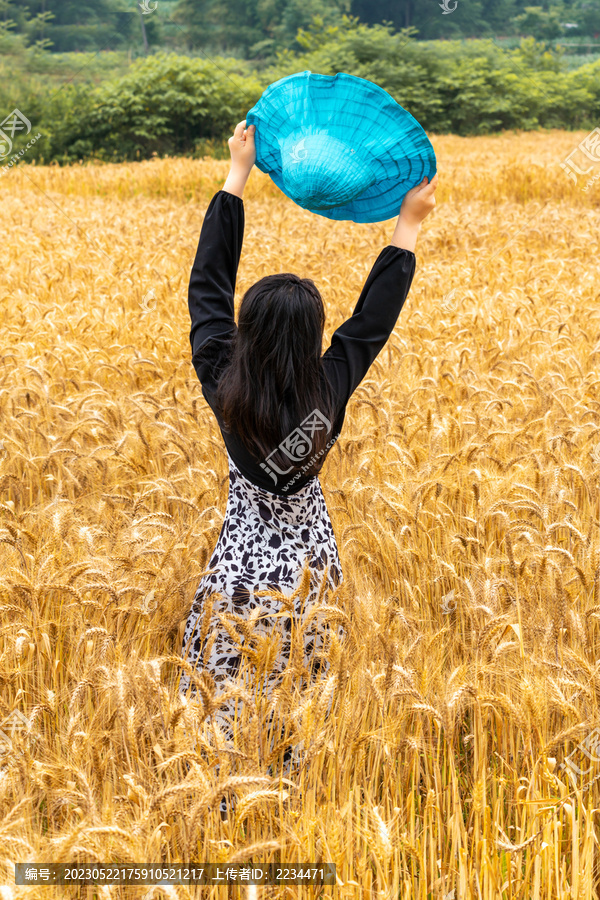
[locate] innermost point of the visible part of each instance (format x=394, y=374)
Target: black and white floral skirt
x=266, y=540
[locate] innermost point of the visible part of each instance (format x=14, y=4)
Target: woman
x=280, y=406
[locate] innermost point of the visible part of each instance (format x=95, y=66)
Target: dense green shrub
x=165, y=104
x=465, y=87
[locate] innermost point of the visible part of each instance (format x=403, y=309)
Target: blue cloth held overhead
x=339, y=146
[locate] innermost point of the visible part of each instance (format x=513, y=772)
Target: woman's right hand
x=419, y=201
x=417, y=204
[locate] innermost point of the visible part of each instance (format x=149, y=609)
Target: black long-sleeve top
x=354, y=346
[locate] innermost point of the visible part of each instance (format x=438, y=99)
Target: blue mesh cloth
x=339, y=146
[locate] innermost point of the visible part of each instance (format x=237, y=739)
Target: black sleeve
x=356, y=343
x=212, y=282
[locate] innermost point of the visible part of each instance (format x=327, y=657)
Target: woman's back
x=353, y=348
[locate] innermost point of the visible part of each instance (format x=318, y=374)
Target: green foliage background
x=110, y=105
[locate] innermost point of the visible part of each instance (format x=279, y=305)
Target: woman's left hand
x=241, y=147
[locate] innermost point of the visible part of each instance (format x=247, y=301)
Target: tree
x=78, y=25
x=254, y=27
x=586, y=15
x=497, y=15
x=538, y=23
x=465, y=18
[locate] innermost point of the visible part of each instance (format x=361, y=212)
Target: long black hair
x=272, y=381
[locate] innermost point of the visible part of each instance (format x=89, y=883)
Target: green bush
x=464, y=87
x=165, y=104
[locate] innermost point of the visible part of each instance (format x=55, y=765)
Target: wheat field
x=463, y=493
